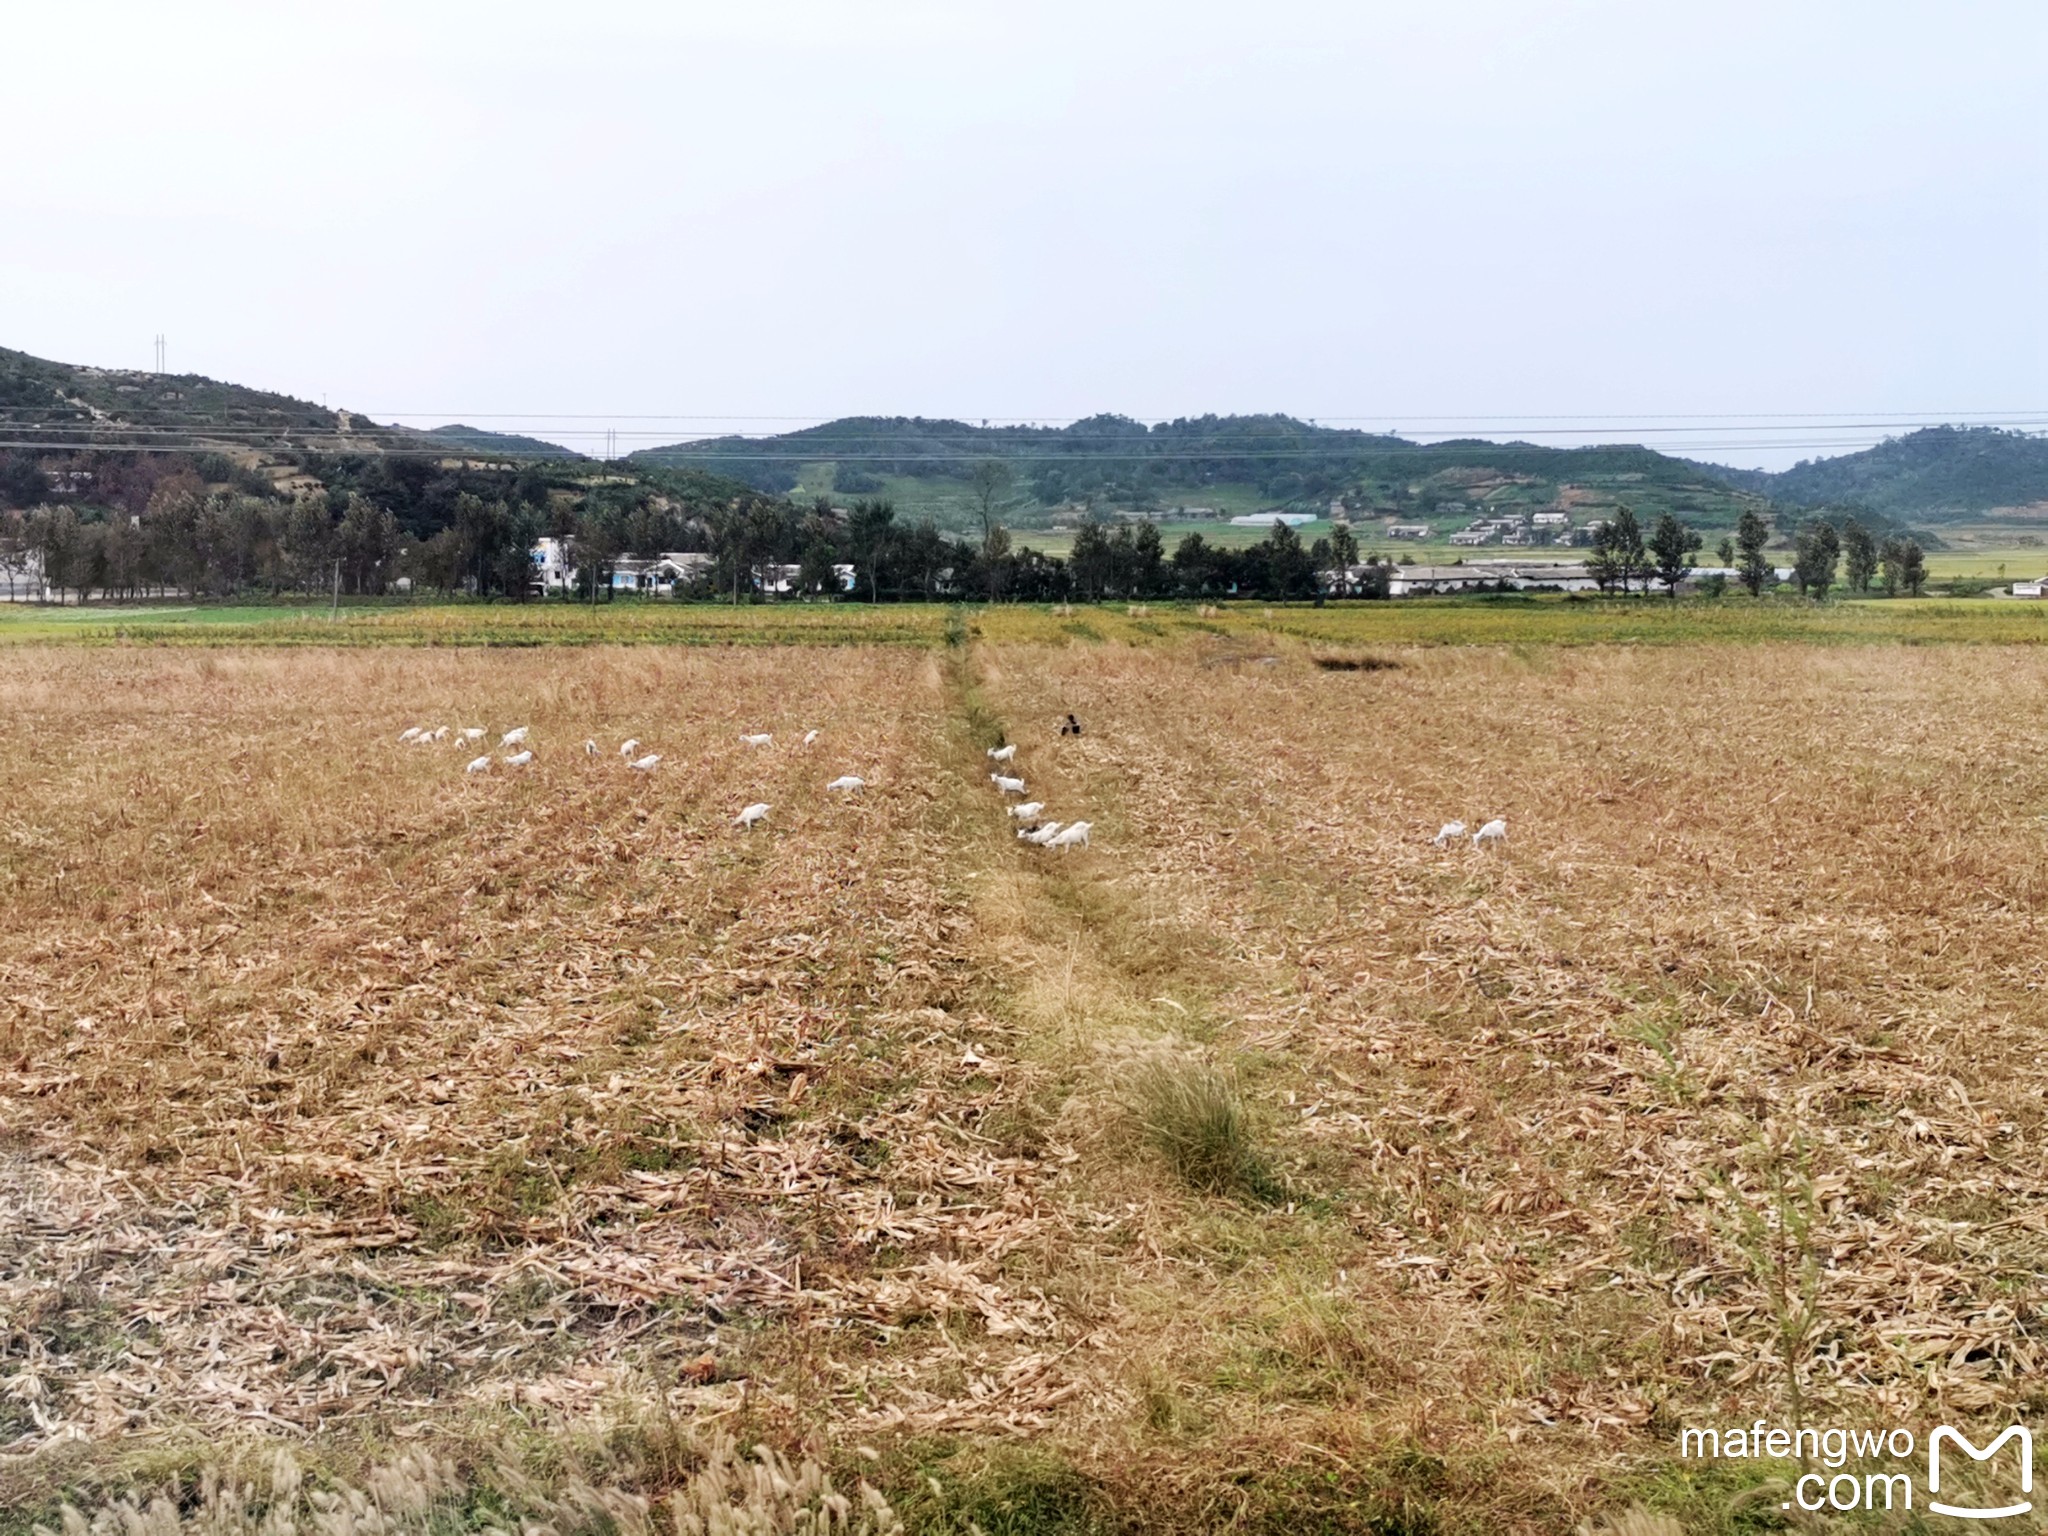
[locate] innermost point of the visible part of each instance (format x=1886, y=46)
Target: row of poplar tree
x=1822, y=555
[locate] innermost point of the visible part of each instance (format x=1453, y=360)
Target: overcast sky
x=1404, y=213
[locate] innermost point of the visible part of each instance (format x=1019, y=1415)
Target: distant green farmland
x=1513, y=620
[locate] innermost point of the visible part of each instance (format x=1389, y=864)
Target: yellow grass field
x=1261, y=1166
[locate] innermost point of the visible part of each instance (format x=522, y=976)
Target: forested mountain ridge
x=1933, y=474
x=1115, y=461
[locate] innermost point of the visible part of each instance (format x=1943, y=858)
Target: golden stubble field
x=348, y=1100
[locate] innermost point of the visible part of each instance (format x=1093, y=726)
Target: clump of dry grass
x=420, y=1494
x=1194, y=1115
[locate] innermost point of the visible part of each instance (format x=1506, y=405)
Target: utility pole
x=159, y=351
x=335, y=612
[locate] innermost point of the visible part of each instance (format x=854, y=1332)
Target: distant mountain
x=1118, y=462
x=504, y=445
x=1933, y=474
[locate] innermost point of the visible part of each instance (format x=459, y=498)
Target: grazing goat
x=1495, y=831
x=629, y=746
x=1040, y=835
x=1027, y=810
x=1451, y=830
x=752, y=814
x=760, y=740
x=513, y=738
x=519, y=759
x=1003, y=754
x=1075, y=836
x=848, y=782
x=411, y=733
x=646, y=764
x=473, y=733
x=589, y=749
x=1007, y=786
x=479, y=764
x=441, y=734
x=809, y=737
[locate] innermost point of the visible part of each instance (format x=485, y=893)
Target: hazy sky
x=517, y=214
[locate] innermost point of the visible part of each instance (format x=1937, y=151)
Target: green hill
x=1219, y=464
x=1935, y=474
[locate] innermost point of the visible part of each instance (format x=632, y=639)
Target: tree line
x=160, y=526
x=1623, y=556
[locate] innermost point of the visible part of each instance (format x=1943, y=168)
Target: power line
x=459, y=451
x=236, y=425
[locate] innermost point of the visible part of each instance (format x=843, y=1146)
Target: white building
x=785, y=578
x=554, y=570
x=1268, y=519
x=659, y=576
x=2035, y=588
x=1521, y=575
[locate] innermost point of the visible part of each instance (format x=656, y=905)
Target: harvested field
x=1261, y=1163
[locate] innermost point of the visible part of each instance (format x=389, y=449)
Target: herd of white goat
x=516, y=755
x=1043, y=834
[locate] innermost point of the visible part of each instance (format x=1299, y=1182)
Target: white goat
x=646, y=764
x=589, y=748
x=1040, y=835
x=473, y=733
x=629, y=746
x=752, y=814
x=513, y=738
x=411, y=733
x=441, y=734
x=848, y=782
x=1495, y=831
x=519, y=759
x=479, y=764
x=1007, y=786
x=1451, y=831
x=1075, y=836
x=1003, y=754
x=760, y=740
x=1028, y=810
x=809, y=737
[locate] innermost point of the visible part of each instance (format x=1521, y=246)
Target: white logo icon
x=2019, y=1432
